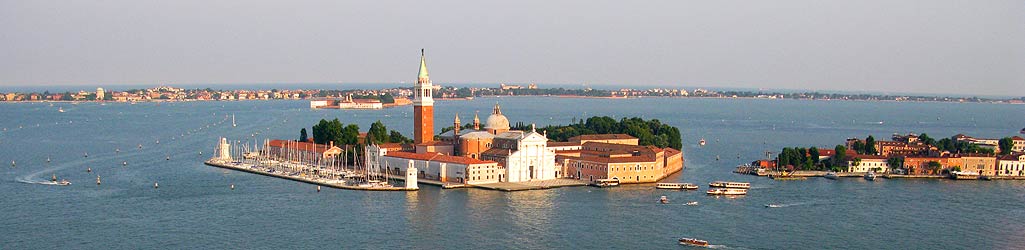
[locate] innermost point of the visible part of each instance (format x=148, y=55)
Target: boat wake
x=36, y=182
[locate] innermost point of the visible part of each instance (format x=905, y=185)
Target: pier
x=340, y=184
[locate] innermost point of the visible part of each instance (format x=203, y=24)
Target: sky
x=906, y=46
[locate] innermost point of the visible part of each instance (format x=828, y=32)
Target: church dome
x=497, y=121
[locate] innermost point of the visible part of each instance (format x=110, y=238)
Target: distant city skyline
x=933, y=47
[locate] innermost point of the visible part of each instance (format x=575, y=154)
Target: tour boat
x=870, y=176
x=605, y=183
x=701, y=142
x=729, y=184
x=693, y=242
x=667, y=185
x=831, y=175
x=726, y=191
x=663, y=199
x=961, y=175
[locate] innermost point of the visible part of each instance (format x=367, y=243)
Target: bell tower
x=423, y=105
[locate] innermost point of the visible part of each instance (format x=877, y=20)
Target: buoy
x=200, y=152
x=168, y=158
x=232, y=186
x=47, y=159
x=88, y=170
x=86, y=155
x=318, y=188
x=155, y=185
x=124, y=163
x=12, y=164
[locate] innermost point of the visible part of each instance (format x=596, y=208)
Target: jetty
x=333, y=183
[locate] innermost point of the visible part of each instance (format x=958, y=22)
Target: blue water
x=194, y=208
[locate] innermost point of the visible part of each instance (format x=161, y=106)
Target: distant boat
x=60, y=109
x=693, y=203
x=727, y=184
x=773, y=205
x=88, y=170
x=12, y=164
x=693, y=242
x=667, y=185
x=701, y=142
x=155, y=185
x=63, y=183
x=605, y=183
x=870, y=176
x=663, y=200
x=124, y=163
x=233, y=121
x=232, y=186
x=97, y=180
x=726, y=191
x=831, y=175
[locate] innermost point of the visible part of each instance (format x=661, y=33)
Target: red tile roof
x=437, y=157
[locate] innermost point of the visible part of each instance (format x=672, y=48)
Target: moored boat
x=693, y=242
x=831, y=175
x=669, y=185
x=605, y=183
x=870, y=176
x=964, y=175
x=729, y=184
x=726, y=191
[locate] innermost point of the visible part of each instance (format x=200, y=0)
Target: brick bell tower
x=423, y=105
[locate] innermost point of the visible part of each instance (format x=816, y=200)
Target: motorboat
x=870, y=176
x=773, y=205
x=831, y=175
x=63, y=182
x=693, y=203
x=693, y=242
x=663, y=200
x=701, y=142
x=726, y=191
x=729, y=184
x=668, y=185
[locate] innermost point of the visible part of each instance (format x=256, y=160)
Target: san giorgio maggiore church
x=489, y=154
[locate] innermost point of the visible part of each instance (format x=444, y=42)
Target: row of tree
x=648, y=132
x=335, y=131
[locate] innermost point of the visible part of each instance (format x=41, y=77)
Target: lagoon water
x=195, y=208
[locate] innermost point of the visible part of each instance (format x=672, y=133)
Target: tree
x=934, y=166
x=858, y=147
x=895, y=162
x=870, y=145
x=302, y=135
x=1005, y=145
x=924, y=138
x=378, y=133
x=841, y=153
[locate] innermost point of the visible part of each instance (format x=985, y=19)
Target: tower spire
x=423, y=77
x=476, y=121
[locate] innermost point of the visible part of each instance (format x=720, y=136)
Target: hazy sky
x=927, y=46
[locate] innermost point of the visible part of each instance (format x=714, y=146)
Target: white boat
x=669, y=185
x=701, y=142
x=155, y=185
x=605, y=183
x=729, y=184
x=831, y=175
x=64, y=182
x=233, y=121
x=60, y=109
x=773, y=205
x=726, y=191
x=97, y=180
x=870, y=176
x=663, y=199
x=964, y=175
x=693, y=203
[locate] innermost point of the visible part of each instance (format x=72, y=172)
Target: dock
x=316, y=181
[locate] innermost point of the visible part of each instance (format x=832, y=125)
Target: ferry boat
x=962, y=175
x=729, y=184
x=693, y=242
x=667, y=185
x=726, y=191
x=605, y=183
x=870, y=176
x=831, y=175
